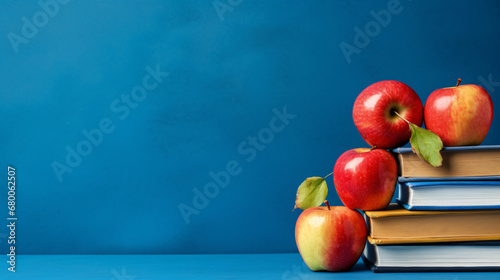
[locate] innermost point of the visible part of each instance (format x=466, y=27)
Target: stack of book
x=447, y=218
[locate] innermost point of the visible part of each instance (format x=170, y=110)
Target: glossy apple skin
x=460, y=116
x=331, y=240
x=365, y=179
x=373, y=118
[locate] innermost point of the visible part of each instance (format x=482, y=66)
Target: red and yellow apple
x=459, y=115
x=374, y=113
x=365, y=178
x=330, y=238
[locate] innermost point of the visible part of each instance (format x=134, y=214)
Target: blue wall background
x=231, y=65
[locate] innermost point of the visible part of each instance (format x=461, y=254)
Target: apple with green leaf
x=330, y=238
x=460, y=115
x=389, y=113
x=375, y=113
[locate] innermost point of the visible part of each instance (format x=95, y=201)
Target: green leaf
x=311, y=193
x=426, y=145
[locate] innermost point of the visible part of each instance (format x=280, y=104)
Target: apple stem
x=459, y=81
x=373, y=147
x=327, y=175
x=401, y=117
x=327, y=204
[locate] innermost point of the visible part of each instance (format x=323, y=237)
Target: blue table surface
x=248, y=266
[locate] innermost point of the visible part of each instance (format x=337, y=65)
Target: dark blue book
x=466, y=161
x=449, y=195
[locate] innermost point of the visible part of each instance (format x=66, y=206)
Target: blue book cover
x=449, y=195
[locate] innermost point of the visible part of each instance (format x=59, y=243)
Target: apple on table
x=330, y=238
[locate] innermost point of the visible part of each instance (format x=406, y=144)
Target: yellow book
x=396, y=225
x=467, y=161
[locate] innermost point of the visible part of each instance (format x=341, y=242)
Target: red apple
x=459, y=115
x=365, y=178
x=375, y=118
x=330, y=238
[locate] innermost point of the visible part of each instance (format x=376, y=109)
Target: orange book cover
x=396, y=225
